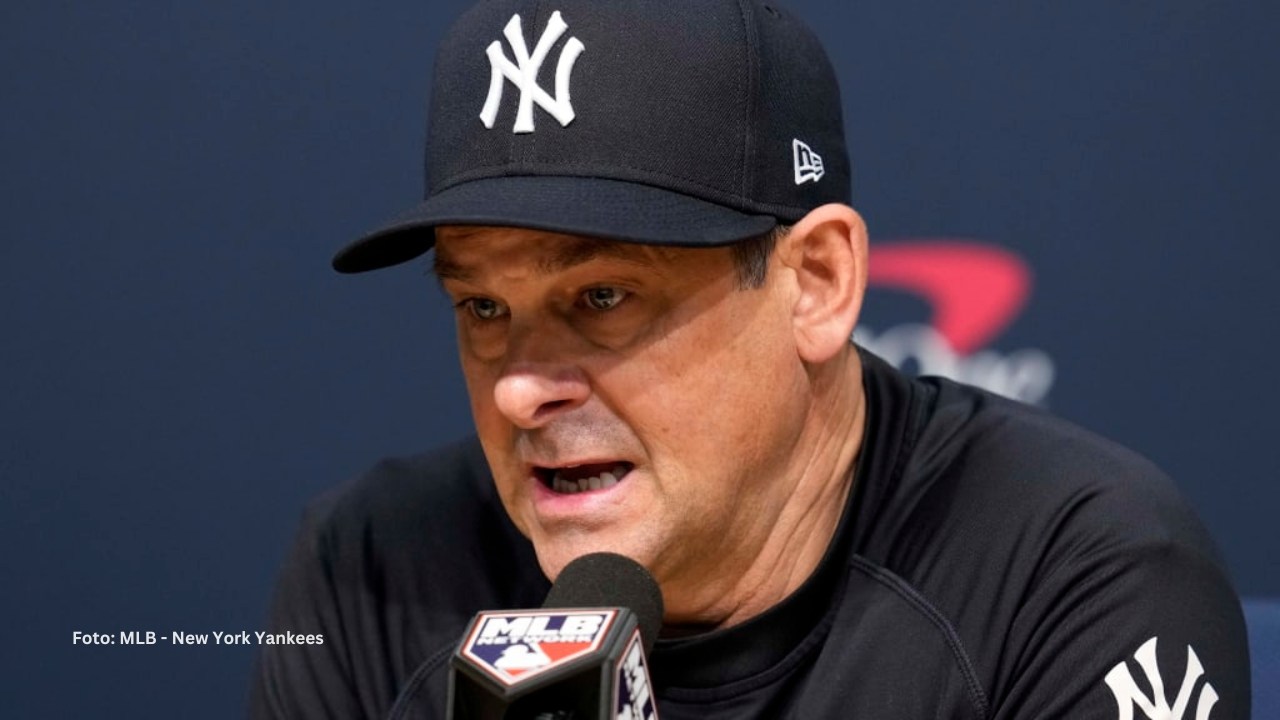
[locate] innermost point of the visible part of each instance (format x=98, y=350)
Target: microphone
x=581, y=657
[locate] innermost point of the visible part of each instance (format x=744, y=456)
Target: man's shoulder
x=432, y=486
x=428, y=526
x=1047, y=551
x=388, y=568
x=1009, y=462
x=979, y=475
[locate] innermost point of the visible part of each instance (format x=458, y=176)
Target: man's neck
x=821, y=479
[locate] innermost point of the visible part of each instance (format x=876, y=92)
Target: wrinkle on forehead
x=568, y=251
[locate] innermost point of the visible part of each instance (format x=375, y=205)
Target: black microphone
x=581, y=657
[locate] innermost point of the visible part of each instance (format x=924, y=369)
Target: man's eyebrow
x=573, y=253
x=446, y=269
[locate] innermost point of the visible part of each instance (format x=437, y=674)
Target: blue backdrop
x=181, y=370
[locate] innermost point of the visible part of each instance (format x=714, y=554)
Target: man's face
x=628, y=398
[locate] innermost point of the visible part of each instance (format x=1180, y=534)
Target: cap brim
x=596, y=207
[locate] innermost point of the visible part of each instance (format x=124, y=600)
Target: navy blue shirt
x=993, y=562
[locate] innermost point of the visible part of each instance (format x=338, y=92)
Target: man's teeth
x=602, y=481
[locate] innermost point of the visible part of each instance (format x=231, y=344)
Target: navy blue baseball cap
x=664, y=122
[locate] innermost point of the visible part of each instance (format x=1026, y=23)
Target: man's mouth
x=574, y=479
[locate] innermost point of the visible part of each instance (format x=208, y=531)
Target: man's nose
x=539, y=383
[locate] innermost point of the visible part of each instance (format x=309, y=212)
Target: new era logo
x=523, y=73
x=807, y=162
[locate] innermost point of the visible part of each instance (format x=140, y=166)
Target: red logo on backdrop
x=975, y=291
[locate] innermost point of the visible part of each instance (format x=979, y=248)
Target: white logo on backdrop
x=523, y=73
x=1025, y=375
x=809, y=166
x=1157, y=707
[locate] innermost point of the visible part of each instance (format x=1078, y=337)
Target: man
x=639, y=211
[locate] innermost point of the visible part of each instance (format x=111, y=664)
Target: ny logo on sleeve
x=1156, y=707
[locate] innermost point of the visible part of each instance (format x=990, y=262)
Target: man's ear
x=827, y=250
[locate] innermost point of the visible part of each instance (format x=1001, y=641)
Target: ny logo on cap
x=523, y=73
x=808, y=163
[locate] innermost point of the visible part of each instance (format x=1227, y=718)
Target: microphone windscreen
x=610, y=580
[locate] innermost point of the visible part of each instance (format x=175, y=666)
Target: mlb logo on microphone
x=632, y=693
x=514, y=646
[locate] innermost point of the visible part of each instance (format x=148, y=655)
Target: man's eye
x=603, y=298
x=485, y=308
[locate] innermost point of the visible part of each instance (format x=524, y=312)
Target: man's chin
x=554, y=555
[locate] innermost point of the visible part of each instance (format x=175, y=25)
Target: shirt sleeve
x=1152, y=630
